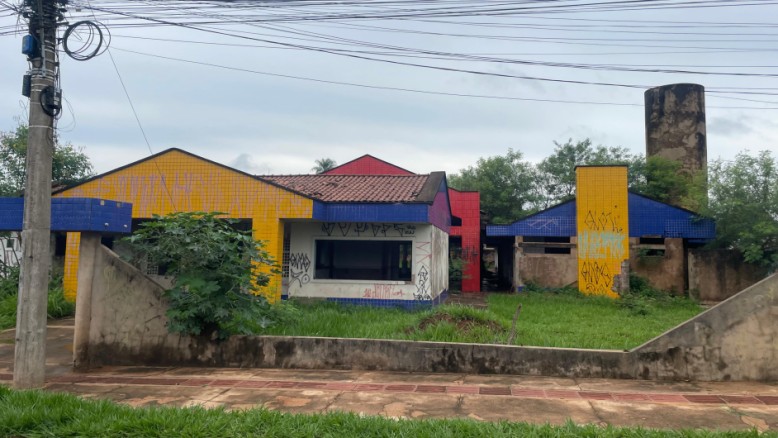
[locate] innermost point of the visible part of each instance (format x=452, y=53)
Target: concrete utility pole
x=30, y=353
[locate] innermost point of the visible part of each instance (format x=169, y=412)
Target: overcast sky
x=270, y=124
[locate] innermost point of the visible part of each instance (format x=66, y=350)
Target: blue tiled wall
x=558, y=221
x=370, y=212
x=647, y=217
x=404, y=304
x=72, y=214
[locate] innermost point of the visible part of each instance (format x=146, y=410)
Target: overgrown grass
x=548, y=318
x=39, y=414
x=573, y=320
x=57, y=306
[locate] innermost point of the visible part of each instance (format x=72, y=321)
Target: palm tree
x=324, y=165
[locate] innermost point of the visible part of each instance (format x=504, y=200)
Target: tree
x=743, y=200
x=556, y=173
x=664, y=180
x=215, y=273
x=69, y=164
x=323, y=165
x=506, y=183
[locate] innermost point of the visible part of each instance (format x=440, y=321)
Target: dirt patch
x=463, y=324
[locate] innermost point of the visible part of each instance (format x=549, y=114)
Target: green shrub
x=215, y=284
x=9, y=280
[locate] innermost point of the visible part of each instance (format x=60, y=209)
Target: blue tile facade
x=349, y=212
x=73, y=214
x=647, y=217
x=557, y=221
x=403, y=304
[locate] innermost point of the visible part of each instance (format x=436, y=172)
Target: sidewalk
x=726, y=405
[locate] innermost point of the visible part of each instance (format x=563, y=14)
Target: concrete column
x=90, y=245
x=30, y=342
x=518, y=253
x=675, y=125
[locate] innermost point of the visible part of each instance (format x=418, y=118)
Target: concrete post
x=30, y=346
x=90, y=245
x=518, y=253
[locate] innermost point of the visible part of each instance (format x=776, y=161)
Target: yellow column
x=70, y=281
x=603, y=227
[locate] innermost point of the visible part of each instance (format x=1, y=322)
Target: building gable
x=368, y=165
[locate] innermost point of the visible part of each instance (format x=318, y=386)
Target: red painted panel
x=368, y=165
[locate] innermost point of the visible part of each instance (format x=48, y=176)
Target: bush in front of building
x=216, y=283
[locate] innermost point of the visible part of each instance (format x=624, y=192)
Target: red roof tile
x=354, y=188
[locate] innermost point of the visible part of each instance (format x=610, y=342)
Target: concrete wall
x=548, y=270
x=665, y=272
x=734, y=340
x=429, y=264
x=120, y=320
x=717, y=274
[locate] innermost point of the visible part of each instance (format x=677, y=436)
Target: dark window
x=553, y=245
x=60, y=244
x=363, y=260
x=107, y=241
x=652, y=241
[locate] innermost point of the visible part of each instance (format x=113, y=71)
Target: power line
x=408, y=90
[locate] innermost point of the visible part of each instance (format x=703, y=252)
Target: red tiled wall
x=467, y=205
x=367, y=166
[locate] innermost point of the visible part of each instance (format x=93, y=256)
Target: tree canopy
x=555, y=178
x=743, y=200
x=69, y=164
x=506, y=183
x=512, y=187
x=323, y=165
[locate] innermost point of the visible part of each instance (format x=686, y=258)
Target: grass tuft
x=550, y=318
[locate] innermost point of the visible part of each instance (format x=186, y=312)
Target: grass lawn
x=40, y=414
x=547, y=319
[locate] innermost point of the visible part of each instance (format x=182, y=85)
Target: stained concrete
x=717, y=274
x=396, y=395
x=126, y=325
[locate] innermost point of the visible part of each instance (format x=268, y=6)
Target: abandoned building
x=584, y=241
x=378, y=240
x=465, y=234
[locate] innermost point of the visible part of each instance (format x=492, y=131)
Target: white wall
x=429, y=264
x=10, y=250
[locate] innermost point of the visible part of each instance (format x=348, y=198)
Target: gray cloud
x=729, y=127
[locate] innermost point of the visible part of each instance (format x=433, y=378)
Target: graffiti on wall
x=299, y=268
x=364, y=229
x=423, y=253
x=383, y=292
x=423, y=284
x=544, y=224
x=603, y=225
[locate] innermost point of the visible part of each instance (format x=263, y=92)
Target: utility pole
x=41, y=86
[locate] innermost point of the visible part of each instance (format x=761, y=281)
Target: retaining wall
x=120, y=320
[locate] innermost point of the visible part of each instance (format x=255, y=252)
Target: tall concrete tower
x=675, y=125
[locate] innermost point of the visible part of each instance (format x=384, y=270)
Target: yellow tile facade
x=603, y=227
x=176, y=181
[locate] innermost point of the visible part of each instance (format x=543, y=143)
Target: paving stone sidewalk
x=721, y=405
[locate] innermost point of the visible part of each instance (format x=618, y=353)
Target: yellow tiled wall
x=603, y=227
x=176, y=181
